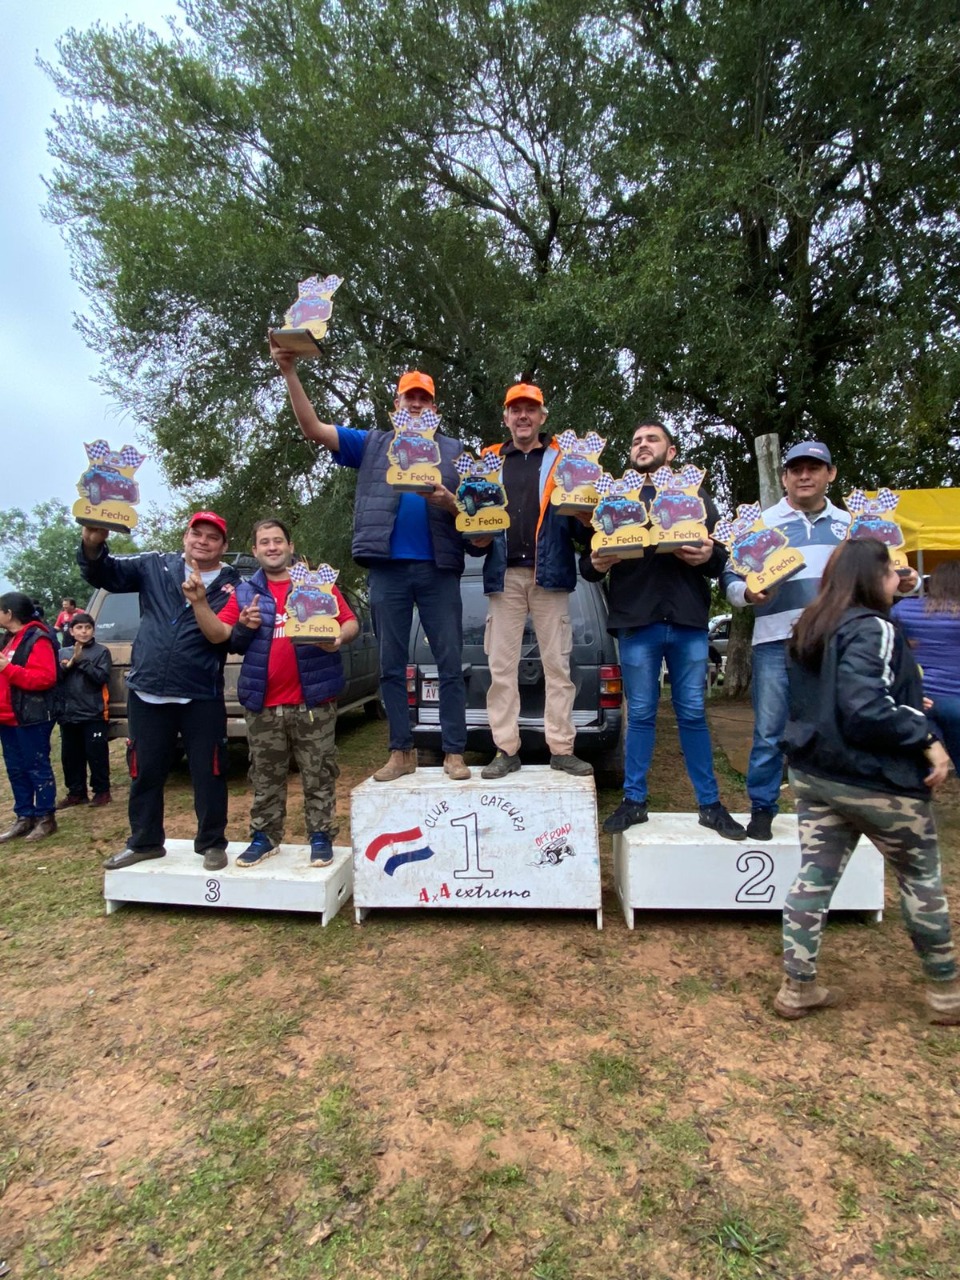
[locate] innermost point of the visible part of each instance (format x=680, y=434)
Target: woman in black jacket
x=863, y=758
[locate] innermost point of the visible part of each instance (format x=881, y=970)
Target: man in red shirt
x=289, y=695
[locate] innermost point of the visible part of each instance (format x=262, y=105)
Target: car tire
x=607, y=522
x=374, y=709
x=403, y=459
x=666, y=520
x=301, y=611
x=470, y=504
x=94, y=493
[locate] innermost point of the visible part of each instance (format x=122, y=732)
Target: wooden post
x=768, y=466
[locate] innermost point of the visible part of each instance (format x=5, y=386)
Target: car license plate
x=430, y=691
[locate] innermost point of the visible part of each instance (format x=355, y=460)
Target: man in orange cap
x=410, y=546
x=530, y=570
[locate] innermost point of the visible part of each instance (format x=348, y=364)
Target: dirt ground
x=188, y=1093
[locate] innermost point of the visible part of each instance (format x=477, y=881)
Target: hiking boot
x=572, y=765
x=796, y=999
x=129, y=857
x=321, y=849
x=214, y=859
x=628, y=813
x=260, y=847
x=21, y=827
x=760, y=826
x=68, y=802
x=102, y=798
x=43, y=827
x=454, y=767
x=716, y=817
x=399, y=764
x=501, y=765
x=944, y=1001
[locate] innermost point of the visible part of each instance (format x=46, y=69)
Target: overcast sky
x=49, y=404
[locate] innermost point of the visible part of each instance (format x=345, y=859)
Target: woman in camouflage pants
x=863, y=758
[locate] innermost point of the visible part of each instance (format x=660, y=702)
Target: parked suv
x=118, y=620
x=597, y=708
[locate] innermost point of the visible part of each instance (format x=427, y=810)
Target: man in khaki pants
x=530, y=570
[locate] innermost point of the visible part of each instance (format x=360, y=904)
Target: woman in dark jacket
x=28, y=683
x=863, y=757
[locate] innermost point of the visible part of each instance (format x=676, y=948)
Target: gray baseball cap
x=809, y=449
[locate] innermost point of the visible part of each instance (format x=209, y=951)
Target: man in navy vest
x=410, y=546
x=289, y=695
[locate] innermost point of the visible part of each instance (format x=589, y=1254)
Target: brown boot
x=400, y=763
x=20, y=828
x=43, y=827
x=797, y=999
x=454, y=767
x=944, y=1001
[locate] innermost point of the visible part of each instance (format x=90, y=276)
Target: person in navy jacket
x=289, y=695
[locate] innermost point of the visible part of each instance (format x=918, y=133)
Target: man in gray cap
x=812, y=524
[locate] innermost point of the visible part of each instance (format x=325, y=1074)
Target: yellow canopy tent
x=930, y=520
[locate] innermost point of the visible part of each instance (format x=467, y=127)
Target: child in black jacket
x=83, y=722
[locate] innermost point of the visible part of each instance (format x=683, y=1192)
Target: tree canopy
x=738, y=213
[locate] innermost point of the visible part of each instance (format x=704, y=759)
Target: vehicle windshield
x=119, y=619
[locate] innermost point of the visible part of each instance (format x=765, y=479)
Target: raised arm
x=324, y=433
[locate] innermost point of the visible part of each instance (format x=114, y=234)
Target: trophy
x=312, y=607
x=480, y=495
x=577, y=473
x=107, y=487
x=760, y=553
x=306, y=322
x=413, y=453
x=677, y=513
x=868, y=522
x=620, y=517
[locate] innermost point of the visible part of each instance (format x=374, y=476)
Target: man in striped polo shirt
x=812, y=524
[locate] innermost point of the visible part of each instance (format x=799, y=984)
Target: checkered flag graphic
x=860, y=504
x=298, y=573
x=730, y=528
x=429, y=420
x=605, y=483
x=567, y=440
x=128, y=456
x=464, y=464
x=325, y=575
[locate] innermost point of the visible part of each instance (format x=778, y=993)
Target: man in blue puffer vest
x=530, y=569
x=289, y=695
x=410, y=545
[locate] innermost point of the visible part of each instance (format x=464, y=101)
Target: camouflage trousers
x=833, y=816
x=274, y=735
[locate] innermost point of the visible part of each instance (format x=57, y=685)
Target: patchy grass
x=507, y=1095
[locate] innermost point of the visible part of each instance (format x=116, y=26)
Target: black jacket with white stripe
x=859, y=719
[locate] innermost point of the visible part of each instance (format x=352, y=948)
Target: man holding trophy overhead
x=414, y=556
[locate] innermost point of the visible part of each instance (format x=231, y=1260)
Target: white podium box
x=672, y=863
x=527, y=840
x=283, y=882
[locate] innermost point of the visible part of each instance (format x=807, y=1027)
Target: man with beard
x=658, y=610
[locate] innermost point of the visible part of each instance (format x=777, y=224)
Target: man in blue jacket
x=175, y=685
x=289, y=695
x=530, y=570
x=410, y=546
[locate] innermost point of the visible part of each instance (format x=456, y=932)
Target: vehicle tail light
x=611, y=686
x=411, y=686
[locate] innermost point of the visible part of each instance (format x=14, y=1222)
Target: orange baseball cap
x=523, y=391
x=415, y=379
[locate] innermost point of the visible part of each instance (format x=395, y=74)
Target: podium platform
x=283, y=882
x=671, y=863
x=529, y=840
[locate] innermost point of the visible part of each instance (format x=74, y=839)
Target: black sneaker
x=628, y=813
x=501, y=765
x=760, y=826
x=716, y=817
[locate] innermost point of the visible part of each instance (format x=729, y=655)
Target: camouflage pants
x=274, y=735
x=832, y=817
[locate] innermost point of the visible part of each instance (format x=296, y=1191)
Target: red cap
x=209, y=517
x=523, y=391
x=415, y=379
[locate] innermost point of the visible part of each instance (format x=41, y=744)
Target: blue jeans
x=945, y=714
x=395, y=587
x=642, y=650
x=26, y=753
x=770, y=708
